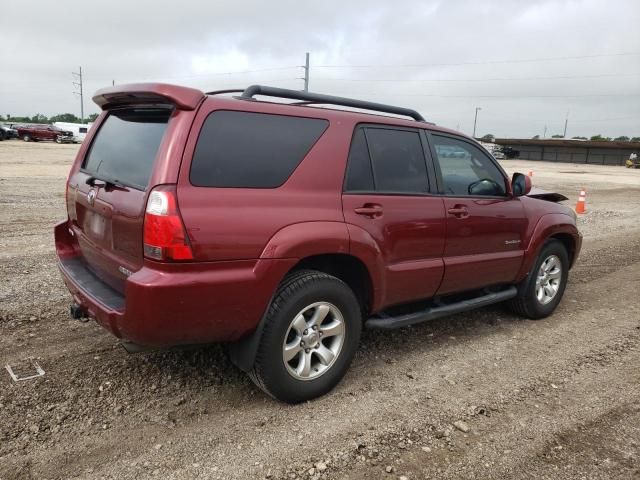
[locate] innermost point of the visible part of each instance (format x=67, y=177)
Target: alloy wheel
x=313, y=341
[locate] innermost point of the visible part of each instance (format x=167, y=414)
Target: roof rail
x=229, y=90
x=309, y=98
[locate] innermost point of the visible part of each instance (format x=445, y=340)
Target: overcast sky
x=525, y=63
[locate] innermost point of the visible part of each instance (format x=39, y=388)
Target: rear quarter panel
x=250, y=223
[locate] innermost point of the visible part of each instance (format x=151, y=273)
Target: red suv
x=283, y=229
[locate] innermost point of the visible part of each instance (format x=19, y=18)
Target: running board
x=389, y=322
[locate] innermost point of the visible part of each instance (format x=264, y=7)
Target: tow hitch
x=78, y=313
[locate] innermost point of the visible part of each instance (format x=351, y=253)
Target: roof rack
x=307, y=98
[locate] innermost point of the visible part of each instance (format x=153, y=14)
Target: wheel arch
x=348, y=268
x=556, y=226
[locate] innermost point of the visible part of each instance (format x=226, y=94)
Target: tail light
x=165, y=237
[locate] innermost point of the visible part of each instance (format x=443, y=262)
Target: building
x=571, y=151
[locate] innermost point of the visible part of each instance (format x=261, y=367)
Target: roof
x=562, y=142
x=187, y=98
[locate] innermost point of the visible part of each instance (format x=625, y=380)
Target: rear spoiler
x=184, y=98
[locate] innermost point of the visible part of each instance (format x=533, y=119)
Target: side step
x=389, y=322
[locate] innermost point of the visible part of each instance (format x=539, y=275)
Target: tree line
x=595, y=138
x=40, y=118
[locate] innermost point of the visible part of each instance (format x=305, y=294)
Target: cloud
x=442, y=57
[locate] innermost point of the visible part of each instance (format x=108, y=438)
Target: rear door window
x=125, y=147
x=387, y=160
x=251, y=150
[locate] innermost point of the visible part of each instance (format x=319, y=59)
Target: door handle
x=459, y=211
x=369, y=210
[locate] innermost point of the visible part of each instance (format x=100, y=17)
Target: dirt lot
x=558, y=398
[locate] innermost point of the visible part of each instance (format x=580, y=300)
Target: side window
x=396, y=160
x=466, y=170
x=359, y=174
x=251, y=150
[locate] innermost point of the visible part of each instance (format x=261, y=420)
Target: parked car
x=44, y=132
x=498, y=154
x=510, y=152
x=283, y=230
x=7, y=133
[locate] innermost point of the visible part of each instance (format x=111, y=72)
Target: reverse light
x=165, y=237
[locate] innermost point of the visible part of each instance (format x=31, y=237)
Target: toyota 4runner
x=283, y=229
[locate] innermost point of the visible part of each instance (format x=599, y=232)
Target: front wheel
x=311, y=333
x=58, y=139
x=541, y=292
x=26, y=138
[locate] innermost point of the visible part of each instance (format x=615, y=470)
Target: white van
x=79, y=129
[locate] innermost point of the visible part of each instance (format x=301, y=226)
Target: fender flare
x=300, y=240
x=295, y=241
x=548, y=225
x=363, y=246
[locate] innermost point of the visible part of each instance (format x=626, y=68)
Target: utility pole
x=78, y=84
x=566, y=120
x=475, y=121
x=544, y=135
x=306, y=73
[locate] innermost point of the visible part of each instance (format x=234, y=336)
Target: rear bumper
x=177, y=304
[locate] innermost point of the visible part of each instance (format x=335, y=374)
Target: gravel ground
x=479, y=395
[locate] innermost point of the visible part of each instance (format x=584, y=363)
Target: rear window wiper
x=103, y=182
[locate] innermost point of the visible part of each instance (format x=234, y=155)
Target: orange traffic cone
x=581, y=206
x=530, y=174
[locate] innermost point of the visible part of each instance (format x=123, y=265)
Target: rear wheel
x=58, y=139
x=311, y=332
x=542, y=290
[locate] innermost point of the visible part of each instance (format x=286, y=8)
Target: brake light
x=165, y=237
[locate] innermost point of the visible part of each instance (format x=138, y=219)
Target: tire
x=528, y=303
x=58, y=139
x=311, y=295
x=26, y=138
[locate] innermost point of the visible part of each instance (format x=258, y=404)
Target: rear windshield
x=252, y=150
x=126, y=145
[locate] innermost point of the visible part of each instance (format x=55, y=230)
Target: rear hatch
x=107, y=190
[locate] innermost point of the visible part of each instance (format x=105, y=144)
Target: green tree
x=622, y=138
x=535, y=137
x=488, y=138
x=579, y=138
x=557, y=136
x=92, y=117
x=39, y=118
x=635, y=139
x=65, y=117
x=600, y=138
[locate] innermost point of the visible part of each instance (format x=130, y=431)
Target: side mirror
x=520, y=184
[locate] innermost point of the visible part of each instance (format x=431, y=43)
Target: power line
x=503, y=96
x=478, y=79
x=487, y=62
